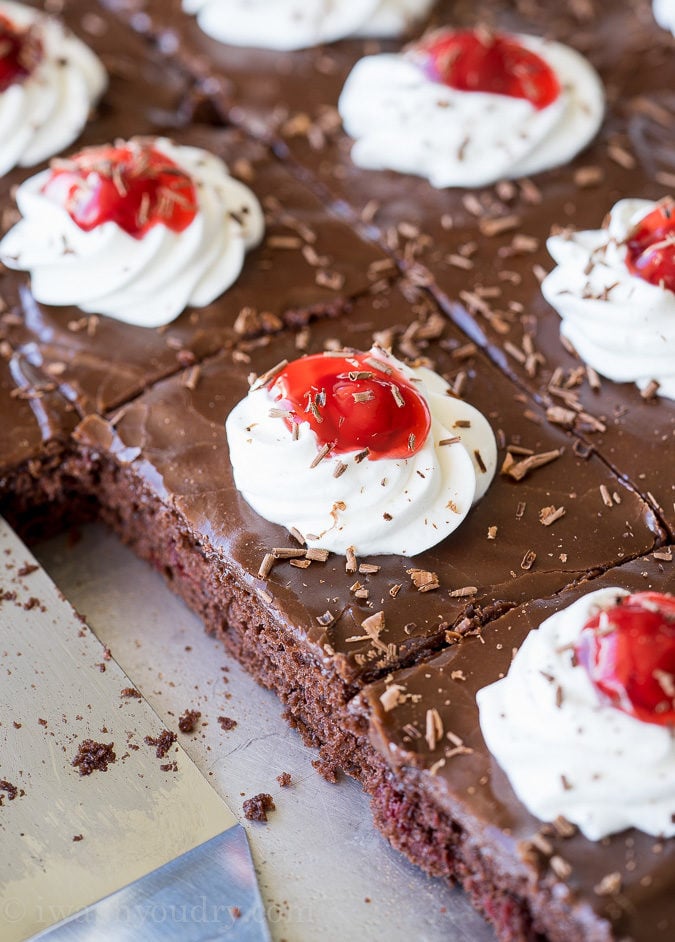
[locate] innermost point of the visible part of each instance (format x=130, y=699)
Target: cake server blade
x=145, y=849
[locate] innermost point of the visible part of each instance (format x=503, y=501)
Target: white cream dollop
x=425, y=497
x=664, y=14
x=566, y=752
x=45, y=112
x=298, y=24
x=620, y=324
x=146, y=281
x=403, y=120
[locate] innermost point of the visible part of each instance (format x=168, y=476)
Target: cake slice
x=310, y=264
x=440, y=797
x=315, y=626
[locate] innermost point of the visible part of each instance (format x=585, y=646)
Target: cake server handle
x=179, y=902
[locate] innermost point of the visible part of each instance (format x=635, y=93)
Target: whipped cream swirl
x=403, y=120
x=400, y=506
x=664, y=14
x=45, y=112
x=565, y=751
x=620, y=324
x=299, y=24
x=148, y=281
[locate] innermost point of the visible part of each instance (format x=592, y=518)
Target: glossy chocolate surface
x=473, y=788
x=256, y=88
x=174, y=438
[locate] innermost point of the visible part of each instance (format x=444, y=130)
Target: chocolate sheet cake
x=104, y=418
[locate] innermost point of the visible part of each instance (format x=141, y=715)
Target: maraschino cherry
x=20, y=53
x=354, y=402
x=131, y=184
x=480, y=61
x=629, y=653
x=650, y=248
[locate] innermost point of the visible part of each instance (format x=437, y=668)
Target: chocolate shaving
x=423, y=580
x=266, y=566
x=434, y=728
x=517, y=470
x=528, y=560
x=351, y=565
x=549, y=515
x=610, y=885
x=392, y=697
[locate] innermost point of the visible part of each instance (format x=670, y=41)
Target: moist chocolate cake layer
x=310, y=264
x=441, y=805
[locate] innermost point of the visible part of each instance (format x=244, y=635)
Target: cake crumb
x=226, y=723
x=78, y=837
x=163, y=742
x=187, y=723
x=284, y=779
x=11, y=791
x=94, y=756
x=256, y=808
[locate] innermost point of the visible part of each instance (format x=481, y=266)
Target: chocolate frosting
x=473, y=789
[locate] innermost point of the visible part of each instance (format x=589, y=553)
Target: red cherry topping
x=20, y=53
x=133, y=185
x=629, y=653
x=651, y=247
x=354, y=402
x=478, y=61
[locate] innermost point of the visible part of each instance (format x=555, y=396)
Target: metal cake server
x=133, y=852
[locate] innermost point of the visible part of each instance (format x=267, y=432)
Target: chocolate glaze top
x=173, y=438
x=472, y=788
